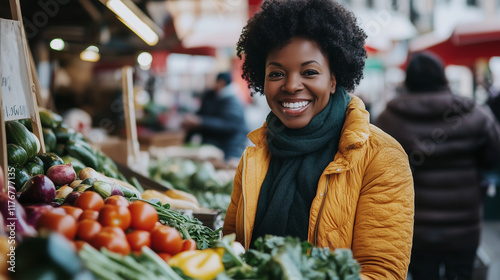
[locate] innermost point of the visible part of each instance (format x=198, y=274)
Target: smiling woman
x=319, y=170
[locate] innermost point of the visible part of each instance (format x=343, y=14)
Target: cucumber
x=50, y=159
x=16, y=154
x=80, y=152
x=18, y=134
x=50, y=139
x=89, y=181
x=60, y=149
x=34, y=169
x=63, y=134
x=21, y=176
x=49, y=119
x=128, y=193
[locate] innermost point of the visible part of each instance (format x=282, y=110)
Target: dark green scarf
x=299, y=157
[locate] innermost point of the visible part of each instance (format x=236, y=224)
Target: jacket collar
x=355, y=134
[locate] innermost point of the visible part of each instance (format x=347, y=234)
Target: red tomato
x=115, y=230
x=111, y=241
x=87, y=229
x=189, y=245
x=115, y=216
x=73, y=211
x=61, y=223
x=79, y=244
x=166, y=239
x=138, y=238
x=89, y=215
x=165, y=256
x=117, y=200
x=89, y=201
x=144, y=216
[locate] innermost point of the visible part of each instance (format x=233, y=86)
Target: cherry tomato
x=75, y=212
x=189, y=245
x=138, y=238
x=166, y=239
x=58, y=222
x=87, y=229
x=144, y=216
x=89, y=201
x=117, y=200
x=111, y=241
x=115, y=230
x=115, y=216
x=165, y=256
x=89, y=215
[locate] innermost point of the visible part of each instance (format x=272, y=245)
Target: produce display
x=212, y=188
x=70, y=214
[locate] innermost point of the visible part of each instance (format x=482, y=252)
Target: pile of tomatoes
x=115, y=224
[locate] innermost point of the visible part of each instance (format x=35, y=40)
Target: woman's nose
x=292, y=84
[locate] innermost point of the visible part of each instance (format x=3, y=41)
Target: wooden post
x=3, y=145
x=15, y=9
x=129, y=111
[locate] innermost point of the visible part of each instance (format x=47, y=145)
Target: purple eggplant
x=61, y=174
x=38, y=189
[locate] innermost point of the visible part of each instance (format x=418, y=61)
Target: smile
x=295, y=105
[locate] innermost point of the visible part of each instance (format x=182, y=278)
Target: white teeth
x=295, y=105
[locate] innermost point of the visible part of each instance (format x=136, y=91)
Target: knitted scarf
x=298, y=159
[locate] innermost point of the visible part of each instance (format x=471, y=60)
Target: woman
x=449, y=140
x=319, y=171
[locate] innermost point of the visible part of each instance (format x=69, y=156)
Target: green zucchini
x=63, y=134
x=49, y=119
x=21, y=176
x=16, y=154
x=34, y=168
x=128, y=193
x=49, y=139
x=80, y=152
x=50, y=159
x=18, y=134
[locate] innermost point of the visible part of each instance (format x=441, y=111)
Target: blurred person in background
x=450, y=141
x=220, y=120
x=319, y=171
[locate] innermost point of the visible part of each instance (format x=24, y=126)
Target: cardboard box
x=161, y=139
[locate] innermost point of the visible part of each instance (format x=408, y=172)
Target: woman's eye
x=310, y=72
x=275, y=74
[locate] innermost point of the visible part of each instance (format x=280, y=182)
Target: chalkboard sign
x=15, y=84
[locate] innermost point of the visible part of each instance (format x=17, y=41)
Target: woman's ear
x=334, y=84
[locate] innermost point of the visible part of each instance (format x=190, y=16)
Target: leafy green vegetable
x=277, y=257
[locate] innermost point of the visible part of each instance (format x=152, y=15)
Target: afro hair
x=324, y=21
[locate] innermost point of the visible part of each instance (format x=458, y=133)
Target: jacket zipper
x=244, y=200
x=319, y=214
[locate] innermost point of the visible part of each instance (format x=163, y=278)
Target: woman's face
x=298, y=82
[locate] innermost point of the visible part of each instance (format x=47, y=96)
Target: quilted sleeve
x=383, y=227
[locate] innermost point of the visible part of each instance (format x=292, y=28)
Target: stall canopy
x=467, y=43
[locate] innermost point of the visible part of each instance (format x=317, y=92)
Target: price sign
x=14, y=78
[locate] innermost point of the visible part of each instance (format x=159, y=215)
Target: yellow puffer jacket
x=364, y=199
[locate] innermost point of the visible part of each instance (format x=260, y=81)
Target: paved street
x=490, y=245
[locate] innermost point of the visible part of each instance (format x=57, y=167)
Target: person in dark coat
x=450, y=141
x=220, y=120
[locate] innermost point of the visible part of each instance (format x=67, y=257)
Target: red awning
x=468, y=43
